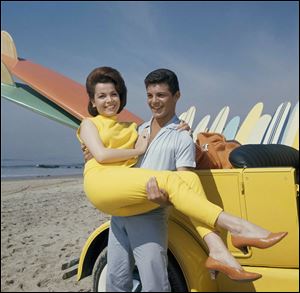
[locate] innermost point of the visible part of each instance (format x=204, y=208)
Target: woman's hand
x=184, y=126
x=142, y=142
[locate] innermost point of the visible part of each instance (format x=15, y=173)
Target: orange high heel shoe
x=242, y=242
x=241, y=275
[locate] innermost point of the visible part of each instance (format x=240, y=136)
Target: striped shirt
x=169, y=150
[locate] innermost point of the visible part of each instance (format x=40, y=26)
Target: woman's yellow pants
x=121, y=191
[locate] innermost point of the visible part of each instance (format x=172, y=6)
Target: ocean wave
x=34, y=171
x=45, y=166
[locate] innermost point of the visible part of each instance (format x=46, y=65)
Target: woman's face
x=106, y=99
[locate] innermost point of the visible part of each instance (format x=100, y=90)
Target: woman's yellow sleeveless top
x=113, y=134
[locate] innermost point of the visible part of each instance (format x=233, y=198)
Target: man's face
x=161, y=101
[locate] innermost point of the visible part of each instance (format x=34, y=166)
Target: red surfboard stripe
x=65, y=92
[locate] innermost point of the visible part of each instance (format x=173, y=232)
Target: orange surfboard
x=65, y=92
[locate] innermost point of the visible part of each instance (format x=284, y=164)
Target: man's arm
x=154, y=193
x=185, y=156
x=86, y=154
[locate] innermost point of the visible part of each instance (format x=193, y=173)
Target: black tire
x=176, y=277
x=99, y=266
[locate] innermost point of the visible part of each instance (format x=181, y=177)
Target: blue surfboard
x=231, y=128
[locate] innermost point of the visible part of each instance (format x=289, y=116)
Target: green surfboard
x=25, y=96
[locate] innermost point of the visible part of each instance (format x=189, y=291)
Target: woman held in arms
x=115, y=187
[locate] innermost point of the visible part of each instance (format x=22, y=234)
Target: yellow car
x=265, y=196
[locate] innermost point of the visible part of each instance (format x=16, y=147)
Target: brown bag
x=212, y=151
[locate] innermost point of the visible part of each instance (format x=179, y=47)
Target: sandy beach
x=44, y=223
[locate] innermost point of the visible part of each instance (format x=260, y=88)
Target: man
x=142, y=239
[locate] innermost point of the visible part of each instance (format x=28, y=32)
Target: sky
x=223, y=52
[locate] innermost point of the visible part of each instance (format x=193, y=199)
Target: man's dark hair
x=163, y=76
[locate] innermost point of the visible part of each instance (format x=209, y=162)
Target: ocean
x=12, y=168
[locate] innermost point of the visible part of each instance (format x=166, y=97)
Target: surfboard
x=292, y=127
x=6, y=76
x=65, y=92
x=182, y=116
x=257, y=133
x=216, y=120
x=248, y=123
x=270, y=129
x=281, y=122
x=8, y=47
x=219, y=122
x=25, y=96
x=275, y=124
x=295, y=144
x=190, y=115
x=201, y=126
x=231, y=128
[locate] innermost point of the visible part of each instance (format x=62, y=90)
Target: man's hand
x=157, y=195
x=86, y=153
x=142, y=142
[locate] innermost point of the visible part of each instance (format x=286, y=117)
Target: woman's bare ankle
x=227, y=259
x=219, y=251
x=240, y=227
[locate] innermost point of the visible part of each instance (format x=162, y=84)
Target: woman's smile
x=107, y=100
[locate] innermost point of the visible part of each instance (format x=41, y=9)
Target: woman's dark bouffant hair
x=105, y=75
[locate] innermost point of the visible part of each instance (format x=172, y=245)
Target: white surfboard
x=220, y=120
x=249, y=122
x=281, y=123
x=269, y=136
x=201, y=126
x=190, y=115
x=231, y=128
x=182, y=116
x=259, y=129
x=221, y=124
x=292, y=127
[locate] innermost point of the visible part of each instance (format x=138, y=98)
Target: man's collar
x=172, y=123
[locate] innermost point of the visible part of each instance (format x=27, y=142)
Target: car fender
x=96, y=242
x=190, y=255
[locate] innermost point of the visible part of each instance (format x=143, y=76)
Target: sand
x=44, y=223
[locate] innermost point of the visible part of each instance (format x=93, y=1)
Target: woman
x=116, y=189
